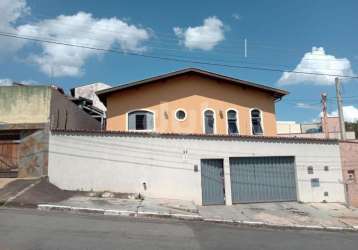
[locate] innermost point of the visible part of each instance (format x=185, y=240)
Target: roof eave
x=277, y=93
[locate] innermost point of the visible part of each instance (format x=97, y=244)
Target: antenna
x=245, y=41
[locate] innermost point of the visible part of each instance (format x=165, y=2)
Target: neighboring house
x=288, y=127
x=27, y=113
x=192, y=101
x=349, y=155
x=313, y=130
x=88, y=91
x=85, y=98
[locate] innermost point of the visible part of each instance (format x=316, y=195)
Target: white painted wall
x=288, y=127
x=122, y=162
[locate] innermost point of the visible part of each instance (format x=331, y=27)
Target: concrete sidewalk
x=287, y=214
x=43, y=195
x=132, y=206
x=328, y=216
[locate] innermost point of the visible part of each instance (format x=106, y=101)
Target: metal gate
x=263, y=179
x=212, y=181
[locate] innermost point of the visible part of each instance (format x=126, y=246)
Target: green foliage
x=350, y=126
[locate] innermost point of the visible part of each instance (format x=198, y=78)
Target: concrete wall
x=332, y=124
x=193, y=94
x=39, y=104
x=66, y=115
x=24, y=104
x=123, y=162
x=349, y=154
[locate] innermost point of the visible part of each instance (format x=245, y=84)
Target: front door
x=212, y=181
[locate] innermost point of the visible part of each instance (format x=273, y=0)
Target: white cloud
x=350, y=113
x=6, y=82
x=236, y=16
x=11, y=11
x=204, y=37
x=10, y=82
x=303, y=105
x=81, y=29
x=317, y=61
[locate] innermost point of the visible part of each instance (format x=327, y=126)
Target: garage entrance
x=212, y=181
x=263, y=179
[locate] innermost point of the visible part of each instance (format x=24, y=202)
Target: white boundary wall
x=122, y=162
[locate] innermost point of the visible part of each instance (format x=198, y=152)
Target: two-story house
x=210, y=139
x=192, y=101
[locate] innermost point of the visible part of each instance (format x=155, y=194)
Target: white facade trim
x=203, y=119
x=147, y=130
x=237, y=120
x=262, y=121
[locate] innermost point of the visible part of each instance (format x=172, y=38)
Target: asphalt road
x=31, y=229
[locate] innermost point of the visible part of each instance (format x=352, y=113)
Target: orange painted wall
x=192, y=93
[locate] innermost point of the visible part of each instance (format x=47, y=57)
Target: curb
x=257, y=224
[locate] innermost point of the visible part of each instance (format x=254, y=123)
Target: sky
x=307, y=36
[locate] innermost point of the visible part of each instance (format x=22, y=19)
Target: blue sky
x=280, y=34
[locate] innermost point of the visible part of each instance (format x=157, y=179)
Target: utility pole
x=340, y=108
x=324, y=114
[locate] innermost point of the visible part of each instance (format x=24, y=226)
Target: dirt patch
x=14, y=187
x=43, y=192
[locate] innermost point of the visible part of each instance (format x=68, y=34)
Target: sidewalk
x=127, y=207
x=328, y=216
x=287, y=214
x=39, y=193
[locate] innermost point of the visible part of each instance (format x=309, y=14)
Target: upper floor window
x=256, y=122
x=180, y=115
x=209, y=122
x=140, y=120
x=232, y=127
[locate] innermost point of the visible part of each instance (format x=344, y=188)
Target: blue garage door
x=212, y=181
x=263, y=179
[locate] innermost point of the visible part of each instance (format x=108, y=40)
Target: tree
x=351, y=126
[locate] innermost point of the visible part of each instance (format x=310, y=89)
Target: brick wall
x=349, y=155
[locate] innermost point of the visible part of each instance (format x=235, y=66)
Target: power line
x=171, y=37
x=174, y=59
x=228, y=50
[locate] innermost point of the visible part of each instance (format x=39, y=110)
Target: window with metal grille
x=256, y=122
x=315, y=182
x=351, y=174
x=209, y=121
x=140, y=120
x=310, y=170
x=232, y=122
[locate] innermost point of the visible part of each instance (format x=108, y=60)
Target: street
x=32, y=229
